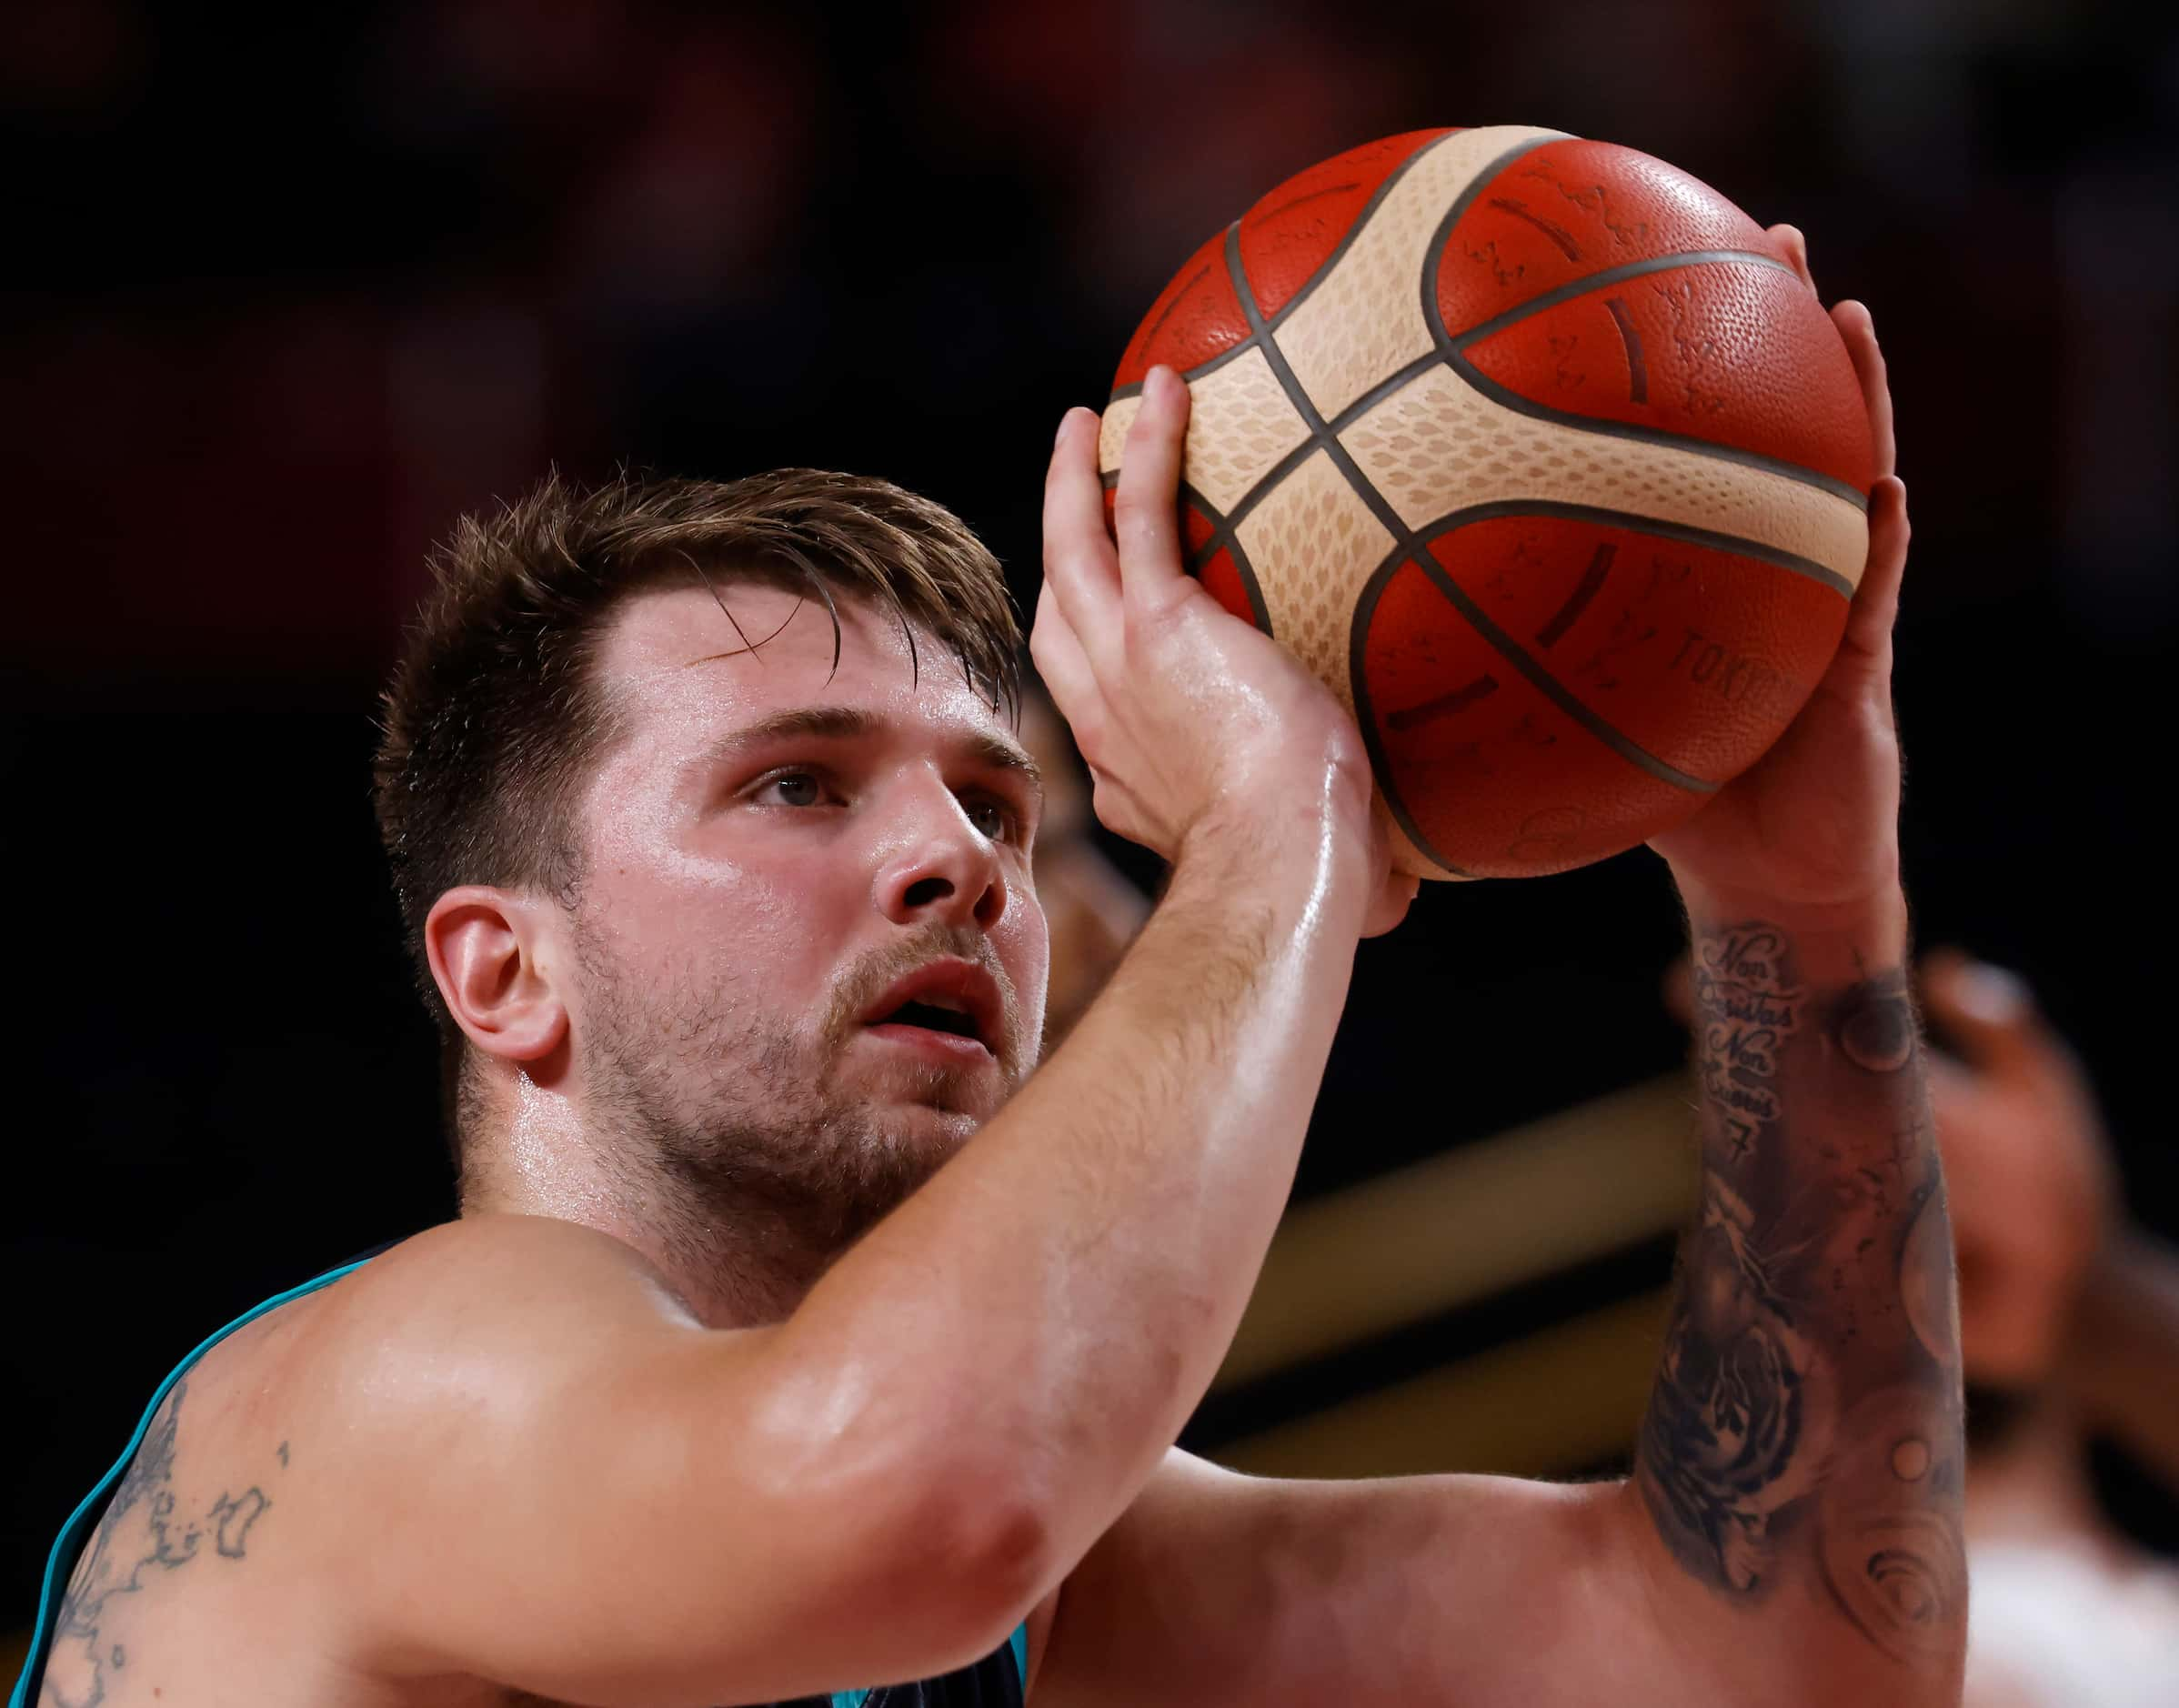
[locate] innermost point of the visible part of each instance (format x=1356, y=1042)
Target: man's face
x=809, y=959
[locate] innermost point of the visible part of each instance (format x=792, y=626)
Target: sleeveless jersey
x=994, y=1682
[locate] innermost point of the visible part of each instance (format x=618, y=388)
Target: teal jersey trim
x=1018, y=1641
x=68, y=1546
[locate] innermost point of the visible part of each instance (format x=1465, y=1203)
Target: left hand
x=1814, y=824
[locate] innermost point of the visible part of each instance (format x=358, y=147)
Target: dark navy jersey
x=994, y=1682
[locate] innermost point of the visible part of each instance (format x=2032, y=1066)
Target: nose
x=937, y=866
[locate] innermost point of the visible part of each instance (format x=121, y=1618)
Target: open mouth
x=951, y=1007
x=934, y=1017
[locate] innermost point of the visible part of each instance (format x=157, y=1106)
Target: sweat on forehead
x=764, y=628
x=774, y=654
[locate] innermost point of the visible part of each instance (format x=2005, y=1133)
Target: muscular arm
x=1802, y=1457
x=1791, y=1532
x=527, y=1466
x=622, y=1510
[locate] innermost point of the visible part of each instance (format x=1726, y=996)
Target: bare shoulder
x=261, y=1470
x=473, y=1324
x=487, y=1302
x=486, y=1269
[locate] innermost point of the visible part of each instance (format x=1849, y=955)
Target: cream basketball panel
x=1362, y=321
x=1313, y=543
x=1438, y=445
x=1240, y=422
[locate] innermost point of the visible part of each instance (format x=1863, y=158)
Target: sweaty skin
x=746, y=1375
x=1791, y=1534
x=607, y=1454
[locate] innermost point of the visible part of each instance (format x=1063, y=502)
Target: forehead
x=681, y=658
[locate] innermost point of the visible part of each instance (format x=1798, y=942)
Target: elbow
x=944, y=1565
x=940, y=1538
x=975, y=1549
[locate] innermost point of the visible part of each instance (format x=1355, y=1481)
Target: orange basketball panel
x=1484, y=772
x=1221, y=575
x=1197, y=317
x=1734, y=354
x=1292, y=232
x=1696, y=656
x=1196, y=528
x=1567, y=209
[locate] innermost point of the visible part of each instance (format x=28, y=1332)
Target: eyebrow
x=840, y=723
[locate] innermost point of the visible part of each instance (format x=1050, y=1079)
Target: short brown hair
x=491, y=719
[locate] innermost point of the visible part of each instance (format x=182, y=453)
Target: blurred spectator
x=2069, y=1325
x=290, y=292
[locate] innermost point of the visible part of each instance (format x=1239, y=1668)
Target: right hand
x=1190, y=721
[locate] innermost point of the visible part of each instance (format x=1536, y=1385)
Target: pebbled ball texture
x=1538, y=453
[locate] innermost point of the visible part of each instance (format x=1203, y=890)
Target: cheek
x=782, y=935
x=753, y=932
x=1025, y=950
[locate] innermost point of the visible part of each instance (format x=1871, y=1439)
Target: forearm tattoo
x=145, y=1534
x=1806, y=1417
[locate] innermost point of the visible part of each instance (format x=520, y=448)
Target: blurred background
x=284, y=299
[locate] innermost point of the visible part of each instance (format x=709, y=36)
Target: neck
x=735, y=1260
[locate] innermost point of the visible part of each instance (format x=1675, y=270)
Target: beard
x=737, y=1133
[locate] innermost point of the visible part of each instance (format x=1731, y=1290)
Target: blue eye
x=797, y=789
x=993, y=819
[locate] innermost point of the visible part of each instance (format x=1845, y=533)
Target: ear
x=484, y=947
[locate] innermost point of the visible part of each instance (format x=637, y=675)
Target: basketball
x=1539, y=452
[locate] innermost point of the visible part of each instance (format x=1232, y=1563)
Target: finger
x=1858, y=327
x=1148, y=510
x=1795, y=244
x=1081, y=569
x=1876, y=600
x=1064, y=667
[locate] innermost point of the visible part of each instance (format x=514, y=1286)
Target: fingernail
x=1066, y=421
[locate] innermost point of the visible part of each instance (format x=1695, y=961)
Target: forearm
x=2122, y=1356
x=1801, y=1456
x=1056, y=1301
